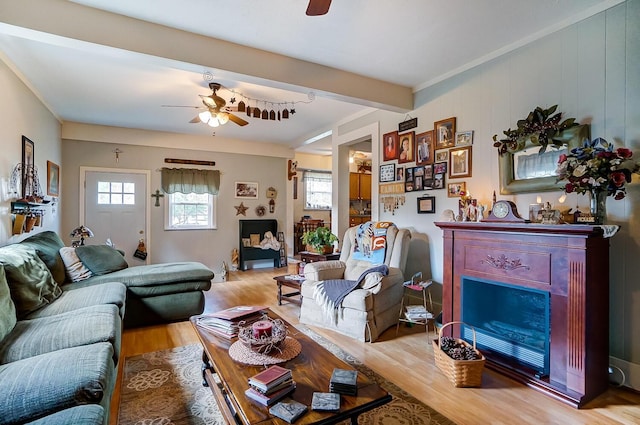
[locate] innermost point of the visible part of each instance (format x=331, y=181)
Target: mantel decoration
x=596, y=168
x=541, y=126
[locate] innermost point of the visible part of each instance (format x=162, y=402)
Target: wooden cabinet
x=354, y=220
x=359, y=186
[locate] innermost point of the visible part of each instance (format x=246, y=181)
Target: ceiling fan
x=318, y=7
x=216, y=113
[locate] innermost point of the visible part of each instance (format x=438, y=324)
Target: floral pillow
x=76, y=271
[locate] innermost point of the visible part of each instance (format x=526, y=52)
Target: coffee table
x=311, y=370
x=284, y=280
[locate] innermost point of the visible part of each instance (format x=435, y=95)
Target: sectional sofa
x=60, y=339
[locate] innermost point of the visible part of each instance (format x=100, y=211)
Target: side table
x=291, y=281
x=312, y=257
x=412, y=290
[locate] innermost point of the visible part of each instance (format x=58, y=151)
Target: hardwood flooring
x=405, y=359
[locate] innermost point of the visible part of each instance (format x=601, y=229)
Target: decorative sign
x=391, y=188
x=407, y=125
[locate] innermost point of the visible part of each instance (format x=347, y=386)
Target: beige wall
x=24, y=114
x=211, y=247
x=591, y=71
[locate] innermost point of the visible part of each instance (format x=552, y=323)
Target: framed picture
x=418, y=178
x=390, y=146
x=439, y=168
x=246, y=190
x=438, y=181
x=464, y=138
x=408, y=179
x=454, y=189
x=428, y=171
x=28, y=164
x=442, y=155
x=53, y=179
x=445, y=131
x=407, y=147
x=399, y=174
x=460, y=162
x=254, y=239
x=246, y=242
x=427, y=205
x=387, y=173
x=425, y=148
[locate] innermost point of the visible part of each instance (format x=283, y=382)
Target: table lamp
x=81, y=232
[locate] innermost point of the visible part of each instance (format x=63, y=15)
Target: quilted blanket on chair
x=371, y=242
x=330, y=293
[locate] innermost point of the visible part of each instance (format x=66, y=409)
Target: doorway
x=114, y=205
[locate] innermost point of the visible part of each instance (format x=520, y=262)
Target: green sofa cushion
x=7, y=308
x=47, y=244
x=30, y=281
x=101, y=259
x=87, y=414
x=29, y=338
x=38, y=386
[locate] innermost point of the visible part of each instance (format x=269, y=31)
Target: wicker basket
x=462, y=373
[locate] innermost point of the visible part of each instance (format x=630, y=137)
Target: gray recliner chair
x=372, y=307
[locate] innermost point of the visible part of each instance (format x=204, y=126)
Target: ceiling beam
x=78, y=22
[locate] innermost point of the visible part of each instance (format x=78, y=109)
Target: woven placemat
x=288, y=349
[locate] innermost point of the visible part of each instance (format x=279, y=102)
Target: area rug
x=165, y=388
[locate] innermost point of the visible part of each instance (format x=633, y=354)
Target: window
x=317, y=190
x=116, y=193
x=190, y=211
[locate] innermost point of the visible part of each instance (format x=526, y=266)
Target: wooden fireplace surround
x=571, y=262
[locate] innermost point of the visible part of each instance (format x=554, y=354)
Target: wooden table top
x=311, y=371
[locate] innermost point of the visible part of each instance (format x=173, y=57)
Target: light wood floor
x=406, y=359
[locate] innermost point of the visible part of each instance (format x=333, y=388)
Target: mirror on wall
x=526, y=171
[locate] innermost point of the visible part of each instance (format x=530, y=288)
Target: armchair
x=372, y=307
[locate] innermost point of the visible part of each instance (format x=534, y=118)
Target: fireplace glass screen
x=511, y=321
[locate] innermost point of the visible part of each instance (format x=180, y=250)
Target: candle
x=262, y=328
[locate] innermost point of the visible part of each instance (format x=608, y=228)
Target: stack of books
x=270, y=385
x=344, y=381
x=417, y=313
x=226, y=323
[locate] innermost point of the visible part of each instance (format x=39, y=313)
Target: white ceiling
x=411, y=43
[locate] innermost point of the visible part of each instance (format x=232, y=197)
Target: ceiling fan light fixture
x=204, y=116
x=222, y=117
x=213, y=122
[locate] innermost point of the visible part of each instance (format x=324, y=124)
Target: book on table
x=269, y=399
x=270, y=378
x=226, y=323
x=288, y=410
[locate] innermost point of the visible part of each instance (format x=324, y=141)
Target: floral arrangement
x=597, y=166
x=543, y=126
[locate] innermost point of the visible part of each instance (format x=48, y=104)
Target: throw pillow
x=76, y=271
x=101, y=259
x=47, y=244
x=7, y=308
x=30, y=281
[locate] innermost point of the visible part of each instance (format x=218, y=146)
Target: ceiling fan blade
x=236, y=119
x=181, y=106
x=318, y=7
x=195, y=120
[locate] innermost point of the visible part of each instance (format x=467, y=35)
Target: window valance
x=190, y=180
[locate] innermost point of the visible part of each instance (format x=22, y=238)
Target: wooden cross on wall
x=157, y=195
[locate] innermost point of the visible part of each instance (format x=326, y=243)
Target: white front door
x=115, y=208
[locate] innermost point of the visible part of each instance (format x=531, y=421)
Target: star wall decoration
x=241, y=209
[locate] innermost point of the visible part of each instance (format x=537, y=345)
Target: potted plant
x=319, y=240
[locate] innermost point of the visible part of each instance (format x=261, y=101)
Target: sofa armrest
x=44, y=384
x=395, y=277
x=323, y=270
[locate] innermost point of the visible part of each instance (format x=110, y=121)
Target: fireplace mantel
x=571, y=263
